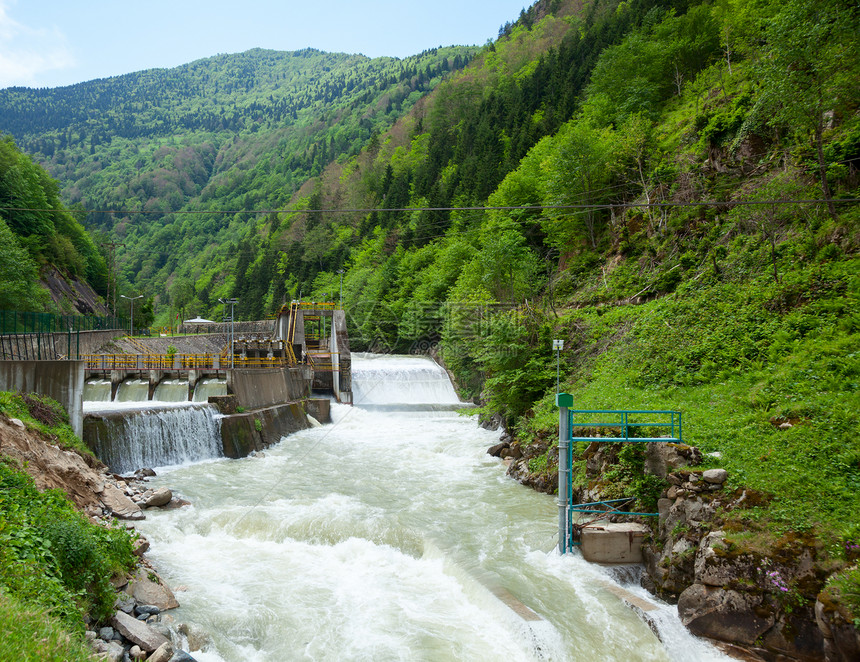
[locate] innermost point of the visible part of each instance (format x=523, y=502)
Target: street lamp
x=232, y=303
x=123, y=296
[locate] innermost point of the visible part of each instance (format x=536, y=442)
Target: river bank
x=140, y=627
x=769, y=594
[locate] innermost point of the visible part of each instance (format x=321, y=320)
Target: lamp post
x=123, y=296
x=232, y=303
x=557, y=345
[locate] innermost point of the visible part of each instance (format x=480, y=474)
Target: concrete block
x=613, y=542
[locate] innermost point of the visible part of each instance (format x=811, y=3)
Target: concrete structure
x=613, y=542
x=316, y=335
x=61, y=380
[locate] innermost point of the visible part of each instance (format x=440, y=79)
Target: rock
x=90, y=635
x=715, y=476
x=115, y=651
x=785, y=426
x=120, y=505
x=145, y=472
x=147, y=588
x=661, y=457
x=135, y=653
x=496, y=450
x=17, y=422
x=125, y=604
x=672, y=492
x=182, y=656
x=714, y=568
x=162, y=654
x=137, y=632
x=197, y=638
x=161, y=497
x=141, y=546
x=147, y=609
x=723, y=614
x=106, y=633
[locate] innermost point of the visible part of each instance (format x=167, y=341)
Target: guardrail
x=180, y=362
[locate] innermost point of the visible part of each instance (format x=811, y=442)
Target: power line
x=369, y=210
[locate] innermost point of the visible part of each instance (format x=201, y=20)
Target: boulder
x=496, y=451
x=147, y=588
x=715, y=568
x=120, y=505
x=137, y=632
x=161, y=497
x=715, y=476
x=723, y=614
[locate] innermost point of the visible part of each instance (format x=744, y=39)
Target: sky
x=51, y=43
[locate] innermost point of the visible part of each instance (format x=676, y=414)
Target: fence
x=15, y=321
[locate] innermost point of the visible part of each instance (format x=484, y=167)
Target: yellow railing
x=175, y=362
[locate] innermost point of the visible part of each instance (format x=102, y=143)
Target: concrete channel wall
x=61, y=380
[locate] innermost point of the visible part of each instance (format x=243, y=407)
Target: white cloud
x=26, y=52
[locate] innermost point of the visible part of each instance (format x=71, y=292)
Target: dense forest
x=32, y=240
x=670, y=187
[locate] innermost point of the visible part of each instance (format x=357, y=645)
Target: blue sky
x=49, y=43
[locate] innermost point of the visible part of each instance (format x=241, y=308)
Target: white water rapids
x=387, y=536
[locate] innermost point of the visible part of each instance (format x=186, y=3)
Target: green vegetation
x=29, y=635
x=52, y=557
x=33, y=239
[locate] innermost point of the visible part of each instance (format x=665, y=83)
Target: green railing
x=632, y=426
x=16, y=321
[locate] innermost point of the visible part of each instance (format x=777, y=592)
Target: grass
x=741, y=355
x=29, y=635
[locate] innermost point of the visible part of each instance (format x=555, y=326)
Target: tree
x=19, y=276
x=811, y=69
x=580, y=171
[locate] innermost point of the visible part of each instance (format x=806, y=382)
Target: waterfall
x=171, y=390
x=386, y=381
x=97, y=390
x=130, y=439
x=209, y=386
x=133, y=390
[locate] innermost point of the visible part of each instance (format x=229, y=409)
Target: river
x=389, y=535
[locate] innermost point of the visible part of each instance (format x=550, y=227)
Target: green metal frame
x=608, y=418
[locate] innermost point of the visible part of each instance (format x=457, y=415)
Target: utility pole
x=340, y=271
x=123, y=296
x=111, y=246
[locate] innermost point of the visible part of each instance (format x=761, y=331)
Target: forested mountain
x=232, y=132
x=32, y=241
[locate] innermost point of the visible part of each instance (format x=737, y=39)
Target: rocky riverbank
x=763, y=592
x=140, y=628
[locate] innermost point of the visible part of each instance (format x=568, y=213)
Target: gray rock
x=496, y=450
x=125, y=604
x=106, y=633
x=715, y=476
x=182, y=656
x=147, y=609
x=115, y=651
x=147, y=588
x=119, y=504
x=723, y=614
x=161, y=497
x=137, y=632
x=135, y=653
x=162, y=654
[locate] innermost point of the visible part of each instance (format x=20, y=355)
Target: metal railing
x=132, y=362
x=16, y=321
x=629, y=424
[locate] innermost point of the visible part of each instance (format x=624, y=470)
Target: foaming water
x=383, y=537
